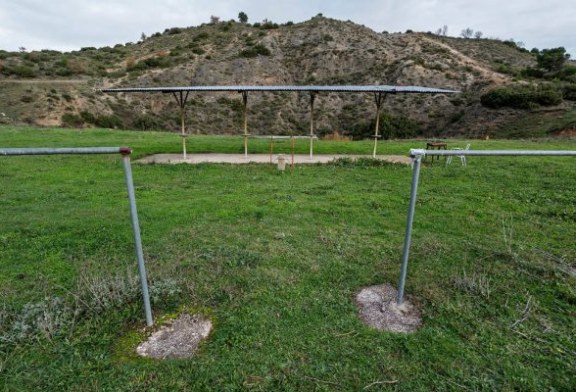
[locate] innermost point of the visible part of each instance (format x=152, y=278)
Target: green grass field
x=275, y=260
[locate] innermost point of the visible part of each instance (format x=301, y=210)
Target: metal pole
x=408, y=236
x=292, y=137
x=418, y=155
x=63, y=151
x=183, y=133
x=245, y=110
x=312, y=97
x=137, y=239
x=518, y=153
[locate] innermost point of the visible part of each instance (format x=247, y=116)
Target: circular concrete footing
x=378, y=309
x=177, y=339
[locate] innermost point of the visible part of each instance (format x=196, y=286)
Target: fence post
x=137, y=239
x=417, y=161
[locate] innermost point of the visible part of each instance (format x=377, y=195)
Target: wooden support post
x=379, y=99
x=312, y=98
x=181, y=99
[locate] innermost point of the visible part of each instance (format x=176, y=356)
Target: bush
x=201, y=36
x=111, y=122
x=256, y=50
x=390, y=127
x=21, y=71
x=87, y=117
x=568, y=73
x=72, y=121
x=569, y=92
x=173, y=31
x=521, y=97
x=146, y=123
x=530, y=72
x=151, y=62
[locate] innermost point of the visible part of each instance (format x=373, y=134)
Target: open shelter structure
x=181, y=94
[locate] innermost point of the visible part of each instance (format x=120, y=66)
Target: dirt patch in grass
x=178, y=339
x=378, y=309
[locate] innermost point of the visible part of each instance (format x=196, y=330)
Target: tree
x=467, y=33
x=552, y=59
x=214, y=19
x=444, y=30
x=242, y=17
x=478, y=34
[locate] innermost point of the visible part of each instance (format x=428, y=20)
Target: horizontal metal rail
x=65, y=151
x=125, y=152
x=417, y=155
x=534, y=153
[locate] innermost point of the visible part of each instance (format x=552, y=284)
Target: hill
x=50, y=88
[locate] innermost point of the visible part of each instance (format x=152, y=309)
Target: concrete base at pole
x=378, y=308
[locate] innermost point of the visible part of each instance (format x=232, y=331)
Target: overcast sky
x=71, y=24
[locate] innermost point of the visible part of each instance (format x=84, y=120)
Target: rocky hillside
x=53, y=89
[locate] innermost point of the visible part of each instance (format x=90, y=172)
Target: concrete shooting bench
x=272, y=138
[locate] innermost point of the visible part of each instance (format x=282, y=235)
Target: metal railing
x=125, y=152
x=417, y=155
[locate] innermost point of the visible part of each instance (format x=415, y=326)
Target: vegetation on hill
x=50, y=88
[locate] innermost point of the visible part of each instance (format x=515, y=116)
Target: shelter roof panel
x=240, y=88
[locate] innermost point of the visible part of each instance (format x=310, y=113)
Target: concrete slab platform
x=260, y=158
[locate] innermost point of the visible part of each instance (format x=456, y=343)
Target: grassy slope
x=276, y=259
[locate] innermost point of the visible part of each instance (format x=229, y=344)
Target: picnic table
x=435, y=145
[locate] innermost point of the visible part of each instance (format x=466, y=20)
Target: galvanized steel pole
x=62, y=151
x=125, y=151
x=137, y=238
x=245, y=112
x=525, y=153
x=417, y=156
x=410, y=220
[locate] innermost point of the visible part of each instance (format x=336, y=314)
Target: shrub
x=569, y=92
x=151, y=62
x=63, y=71
x=256, y=50
x=72, y=120
x=390, y=127
x=173, y=31
x=111, y=122
x=530, y=72
x=521, y=97
x=568, y=73
x=21, y=71
x=201, y=36
x=146, y=123
x=552, y=59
